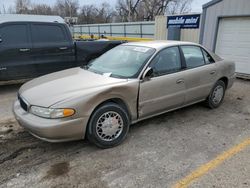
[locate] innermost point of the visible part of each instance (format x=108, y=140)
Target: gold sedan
x=127, y=84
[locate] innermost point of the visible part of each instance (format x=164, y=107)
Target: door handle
x=24, y=49
x=213, y=72
x=63, y=48
x=3, y=68
x=180, y=81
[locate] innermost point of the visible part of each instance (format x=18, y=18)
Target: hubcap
x=218, y=94
x=109, y=126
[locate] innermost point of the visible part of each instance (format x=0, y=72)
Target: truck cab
x=31, y=46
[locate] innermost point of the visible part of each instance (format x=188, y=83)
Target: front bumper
x=51, y=130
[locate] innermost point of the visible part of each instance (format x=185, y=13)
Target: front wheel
x=217, y=94
x=108, y=126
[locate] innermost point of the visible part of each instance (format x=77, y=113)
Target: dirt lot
x=157, y=153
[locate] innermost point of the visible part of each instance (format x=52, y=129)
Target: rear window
x=47, y=33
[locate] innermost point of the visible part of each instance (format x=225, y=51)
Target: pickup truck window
x=14, y=34
x=42, y=33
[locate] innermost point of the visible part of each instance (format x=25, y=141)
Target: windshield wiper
x=117, y=76
x=86, y=67
x=94, y=71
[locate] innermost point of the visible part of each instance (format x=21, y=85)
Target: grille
x=23, y=104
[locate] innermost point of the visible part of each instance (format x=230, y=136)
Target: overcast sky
x=196, y=5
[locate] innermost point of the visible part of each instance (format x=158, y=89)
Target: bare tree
x=179, y=7
x=88, y=14
x=128, y=9
x=41, y=9
x=137, y=10
x=125, y=10
x=92, y=14
x=153, y=8
x=105, y=13
x=11, y=10
x=22, y=6
x=67, y=8
x=2, y=10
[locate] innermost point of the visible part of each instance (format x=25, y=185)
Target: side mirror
x=1, y=39
x=147, y=74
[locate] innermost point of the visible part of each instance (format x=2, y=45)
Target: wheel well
x=225, y=80
x=113, y=100
x=118, y=101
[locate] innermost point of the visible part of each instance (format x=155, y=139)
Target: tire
x=216, y=96
x=107, y=120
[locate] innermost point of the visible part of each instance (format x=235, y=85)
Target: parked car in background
x=127, y=84
x=31, y=46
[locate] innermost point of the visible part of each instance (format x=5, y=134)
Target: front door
x=15, y=51
x=166, y=89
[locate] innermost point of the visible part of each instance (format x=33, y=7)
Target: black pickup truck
x=31, y=49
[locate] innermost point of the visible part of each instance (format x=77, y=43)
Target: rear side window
x=47, y=33
x=193, y=56
x=14, y=34
x=207, y=57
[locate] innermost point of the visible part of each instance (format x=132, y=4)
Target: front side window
x=16, y=34
x=47, y=33
x=166, y=61
x=193, y=56
x=123, y=61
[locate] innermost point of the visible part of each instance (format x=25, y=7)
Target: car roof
x=159, y=44
x=29, y=18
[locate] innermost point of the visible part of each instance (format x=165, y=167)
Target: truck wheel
x=216, y=96
x=108, y=126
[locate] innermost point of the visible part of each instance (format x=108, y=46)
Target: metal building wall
x=215, y=10
x=160, y=28
x=191, y=35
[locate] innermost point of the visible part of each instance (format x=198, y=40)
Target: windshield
x=122, y=61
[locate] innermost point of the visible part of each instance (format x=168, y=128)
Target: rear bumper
x=231, y=80
x=51, y=130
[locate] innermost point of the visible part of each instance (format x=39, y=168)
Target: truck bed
x=88, y=50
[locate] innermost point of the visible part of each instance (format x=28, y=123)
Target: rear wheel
x=216, y=96
x=108, y=126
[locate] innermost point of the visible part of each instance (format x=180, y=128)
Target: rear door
x=200, y=73
x=166, y=89
x=53, y=48
x=15, y=51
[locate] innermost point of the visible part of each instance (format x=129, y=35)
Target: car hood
x=56, y=87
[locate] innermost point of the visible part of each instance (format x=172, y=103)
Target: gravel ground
x=157, y=152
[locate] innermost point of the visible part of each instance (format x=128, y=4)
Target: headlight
x=51, y=112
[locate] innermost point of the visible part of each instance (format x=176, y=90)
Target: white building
x=225, y=29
